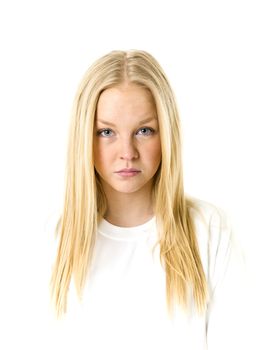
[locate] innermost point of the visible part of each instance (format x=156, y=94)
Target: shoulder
x=209, y=214
x=212, y=223
x=215, y=239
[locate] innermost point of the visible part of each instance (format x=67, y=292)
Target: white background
x=212, y=54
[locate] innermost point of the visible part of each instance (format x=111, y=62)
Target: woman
x=146, y=260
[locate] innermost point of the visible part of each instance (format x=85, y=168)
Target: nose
x=128, y=150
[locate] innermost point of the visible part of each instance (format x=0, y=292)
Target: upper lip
x=127, y=170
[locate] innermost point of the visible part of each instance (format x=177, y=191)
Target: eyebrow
x=141, y=122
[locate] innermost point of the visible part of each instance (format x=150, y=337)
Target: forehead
x=125, y=99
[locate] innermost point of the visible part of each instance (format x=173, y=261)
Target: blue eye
x=105, y=132
x=145, y=131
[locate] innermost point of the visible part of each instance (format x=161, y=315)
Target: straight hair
x=85, y=202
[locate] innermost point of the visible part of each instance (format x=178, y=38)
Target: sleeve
x=226, y=321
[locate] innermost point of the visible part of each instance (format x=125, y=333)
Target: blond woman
x=140, y=265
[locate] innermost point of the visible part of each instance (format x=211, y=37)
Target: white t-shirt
x=124, y=302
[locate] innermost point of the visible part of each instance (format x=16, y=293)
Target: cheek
x=153, y=152
x=101, y=155
x=97, y=154
x=157, y=148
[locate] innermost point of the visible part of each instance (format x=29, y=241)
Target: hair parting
x=85, y=202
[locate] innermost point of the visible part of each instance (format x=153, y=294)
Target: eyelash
x=99, y=132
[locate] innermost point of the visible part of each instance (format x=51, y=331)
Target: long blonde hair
x=85, y=202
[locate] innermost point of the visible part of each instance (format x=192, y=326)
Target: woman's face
x=127, y=148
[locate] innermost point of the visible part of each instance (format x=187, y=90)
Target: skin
x=126, y=135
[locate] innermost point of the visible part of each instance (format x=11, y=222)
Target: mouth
x=128, y=172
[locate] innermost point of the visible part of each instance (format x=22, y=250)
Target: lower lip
x=128, y=173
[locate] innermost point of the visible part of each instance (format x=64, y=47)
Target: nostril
x=130, y=155
x=128, y=151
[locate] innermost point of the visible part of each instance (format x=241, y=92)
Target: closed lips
x=131, y=170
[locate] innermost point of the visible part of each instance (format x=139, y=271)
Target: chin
x=130, y=189
x=127, y=190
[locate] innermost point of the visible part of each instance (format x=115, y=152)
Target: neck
x=129, y=209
